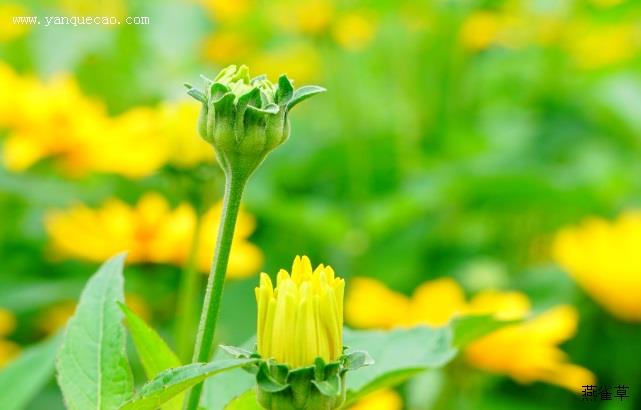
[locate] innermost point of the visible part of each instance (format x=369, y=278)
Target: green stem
x=234, y=185
x=188, y=296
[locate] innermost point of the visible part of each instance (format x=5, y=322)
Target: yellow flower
x=115, y=8
x=8, y=349
x=354, y=30
x=527, y=351
x=479, y=30
x=298, y=60
x=362, y=307
x=151, y=232
x=385, y=399
x=227, y=47
x=302, y=318
x=603, y=258
x=56, y=316
x=8, y=29
x=595, y=46
x=55, y=120
x=227, y=10
x=312, y=16
x=177, y=125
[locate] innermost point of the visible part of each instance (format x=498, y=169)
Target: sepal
x=320, y=386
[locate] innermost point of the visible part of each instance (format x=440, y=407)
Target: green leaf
x=222, y=388
x=357, y=359
x=304, y=93
x=470, y=328
x=285, y=90
x=246, y=401
x=398, y=355
x=23, y=378
x=154, y=353
x=268, y=383
x=329, y=387
x=172, y=382
x=93, y=372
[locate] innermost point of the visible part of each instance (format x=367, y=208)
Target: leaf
x=246, y=401
x=222, y=388
x=470, y=328
x=23, y=378
x=398, y=355
x=304, y=93
x=93, y=372
x=154, y=353
x=172, y=382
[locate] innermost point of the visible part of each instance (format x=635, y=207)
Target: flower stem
x=234, y=186
x=187, y=296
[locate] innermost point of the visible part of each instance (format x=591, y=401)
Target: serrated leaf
x=25, y=376
x=92, y=366
x=154, y=353
x=398, y=355
x=172, y=382
x=470, y=328
x=304, y=93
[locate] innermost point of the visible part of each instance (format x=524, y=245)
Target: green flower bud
x=320, y=386
x=243, y=118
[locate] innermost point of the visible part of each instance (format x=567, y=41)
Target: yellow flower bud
x=302, y=318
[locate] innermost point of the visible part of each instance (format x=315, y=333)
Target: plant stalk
x=234, y=186
x=187, y=296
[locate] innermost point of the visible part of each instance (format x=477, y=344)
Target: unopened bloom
x=301, y=319
x=603, y=257
x=244, y=118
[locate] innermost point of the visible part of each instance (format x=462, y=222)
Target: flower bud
x=243, y=118
x=303, y=363
x=302, y=318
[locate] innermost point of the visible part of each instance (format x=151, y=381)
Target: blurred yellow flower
x=55, y=317
x=55, y=121
x=604, y=258
x=227, y=10
x=526, y=351
x=595, y=46
x=116, y=8
x=312, y=16
x=151, y=232
x=177, y=122
x=8, y=29
x=354, y=30
x=479, y=30
x=482, y=29
x=227, y=47
x=385, y=399
x=362, y=307
x=298, y=60
x=302, y=317
x=8, y=349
